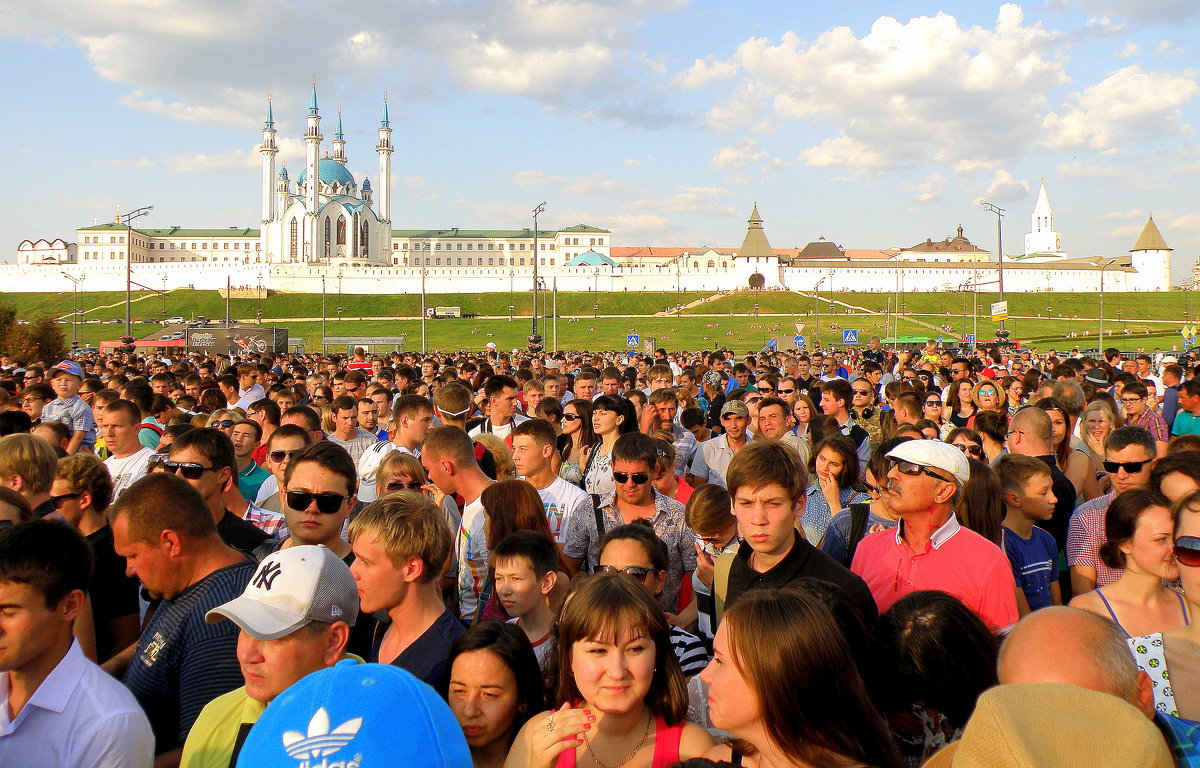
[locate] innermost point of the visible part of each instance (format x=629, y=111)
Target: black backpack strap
x=599, y=516
x=858, y=527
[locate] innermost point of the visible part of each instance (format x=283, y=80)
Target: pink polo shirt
x=956, y=560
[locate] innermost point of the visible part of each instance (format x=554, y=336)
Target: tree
x=41, y=340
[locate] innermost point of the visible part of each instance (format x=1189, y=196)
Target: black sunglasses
x=639, y=478
x=279, y=456
x=912, y=470
x=58, y=501
x=1132, y=467
x=971, y=450
x=398, y=486
x=570, y=417
x=327, y=503
x=223, y=423
x=932, y=403
x=1187, y=551
x=786, y=391
x=636, y=571
x=190, y=470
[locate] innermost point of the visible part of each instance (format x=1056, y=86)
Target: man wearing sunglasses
x=1129, y=454
x=205, y=459
x=929, y=549
x=284, y=443
x=634, y=457
x=837, y=397
x=318, y=494
x=128, y=459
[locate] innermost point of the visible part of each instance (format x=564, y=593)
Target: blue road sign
x=798, y=341
x=1192, y=340
x=849, y=336
x=970, y=338
x=633, y=340
x=772, y=344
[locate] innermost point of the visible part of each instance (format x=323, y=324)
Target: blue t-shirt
x=1185, y=423
x=428, y=657
x=182, y=662
x=1033, y=564
x=836, y=543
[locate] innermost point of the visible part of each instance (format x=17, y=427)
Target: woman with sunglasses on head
x=1139, y=536
x=1074, y=464
x=959, y=408
x=624, y=698
x=224, y=420
x=1169, y=657
x=401, y=471
x=856, y=520
x=577, y=438
x=635, y=550
x=611, y=418
x=784, y=683
x=834, y=469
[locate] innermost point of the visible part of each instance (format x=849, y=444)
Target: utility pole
x=128, y=219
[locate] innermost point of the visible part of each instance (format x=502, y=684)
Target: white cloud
x=1129, y=50
x=1189, y=222
x=1142, y=12
x=1127, y=103
x=929, y=190
x=633, y=163
x=704, y=71
x=534, y=179
x=1077, y=169
x=1004, y=188
x=704, y=201
x=598, y=184
x=1136, y=213
x=198, y=162
x=735, y=156
x=902, y=94
x=1126, y=232
x=968, y=168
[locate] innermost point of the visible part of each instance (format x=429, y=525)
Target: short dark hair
x=328, y=455
x=268, y=408
x=1120, y=521
x=343, y=403
x=840, y=389
x=49, y=556
x=508, y=643
x=313, y=421
x=537, y=548
x=1123, y=437
x=496, y=384
x=642, y=533
x=635, y=446
x=159, y=502
x=211, y=443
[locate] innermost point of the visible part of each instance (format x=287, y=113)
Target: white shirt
x=499, y=430
x=368, y=465
x=269, y=488
x=79, y=717
x=563, y=501
x=127, y=471
x=472, y=558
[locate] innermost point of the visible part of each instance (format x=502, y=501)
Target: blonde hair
x=401, y=463
x=505, y=468
x=31, y=458
x=234, y=415
x=407, y=524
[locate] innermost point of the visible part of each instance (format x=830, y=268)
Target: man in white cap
x=929, y=549
x=295, y=617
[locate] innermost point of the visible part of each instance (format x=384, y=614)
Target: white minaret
x=1042, y=239
x=339, y=142
x=268, y=150
x=384, y=209
x=312, y=180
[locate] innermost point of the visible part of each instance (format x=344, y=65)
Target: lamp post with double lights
x=535, y=341
x=1100, y=342
x=127, y=219
x=75, y=281
x=993, y=208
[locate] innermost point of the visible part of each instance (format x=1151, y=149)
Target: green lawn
x=731, y=325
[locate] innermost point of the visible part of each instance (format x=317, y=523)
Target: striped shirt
x=690, y=650
x=182, y=662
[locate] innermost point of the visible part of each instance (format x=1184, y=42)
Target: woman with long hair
x=510, y=506
x=624, y=699
x=834, y=469
x=495, y=686
x=803, y=412
x=992, y=426
x=980, y=506
x=1139, y=538
x=784, y=682
x=1096, y=423
x=577, y=438
x=1014, y=390
x=611, y=418
x=960, y=407
x=1074, y=464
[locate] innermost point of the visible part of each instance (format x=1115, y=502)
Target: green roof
x=585, y=228
x=464, y=234
x=237, y=232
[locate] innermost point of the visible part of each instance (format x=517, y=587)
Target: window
x=328, y=237
x=711, y=264
x=469, y=246
x=460, y=261
x=341, y=230
x=491, y=246
x=225, y=246
x=438, y=261
x=459, y=246
x=364, y=238
x=522, y=261
x=490, y=261
x=522, y=248
x=204, y=246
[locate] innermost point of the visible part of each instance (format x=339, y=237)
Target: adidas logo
x=320, y=741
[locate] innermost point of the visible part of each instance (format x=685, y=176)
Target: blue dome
x=331, y=172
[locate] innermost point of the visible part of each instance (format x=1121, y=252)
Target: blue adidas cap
x=368, y=715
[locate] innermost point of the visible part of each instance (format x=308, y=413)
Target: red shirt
x=956, y=560
x=359, y=365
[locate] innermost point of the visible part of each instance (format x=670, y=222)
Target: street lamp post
x=999, y=249
x=128, y=219
x=322, y=313
x=424, y=272
x=1100, y=341
x=75, y=281
x=533, y=337
x=817, y=305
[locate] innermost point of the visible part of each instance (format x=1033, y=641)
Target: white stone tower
x=268, y=150
x=384, y=149
x=1152, y=260
x=1042, y=239
x=312, y=180
x=339, y=142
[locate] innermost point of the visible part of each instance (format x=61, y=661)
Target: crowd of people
x=867, y=557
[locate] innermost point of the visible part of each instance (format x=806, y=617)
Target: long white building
x=330, y=225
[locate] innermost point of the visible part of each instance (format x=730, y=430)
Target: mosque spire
x=312, y=106
x=270, y=122
x=385, y=123
x=339, y=141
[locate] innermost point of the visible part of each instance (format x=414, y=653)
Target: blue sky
x=873, y=124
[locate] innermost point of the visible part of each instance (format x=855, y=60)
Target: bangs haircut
x=30, y=457
x=87, y=474
x=763, y=462
x=604, y=609
x=329, y=456
x=1014, y=472
x=211, y=443
x=406, y=524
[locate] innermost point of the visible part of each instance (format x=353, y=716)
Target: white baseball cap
x=936, y=455
x=291, y=588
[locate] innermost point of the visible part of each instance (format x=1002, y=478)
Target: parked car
x=174, y=320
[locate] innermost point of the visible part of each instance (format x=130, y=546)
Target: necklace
x=602, y=764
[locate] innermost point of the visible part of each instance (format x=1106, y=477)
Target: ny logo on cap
x=267, y=574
